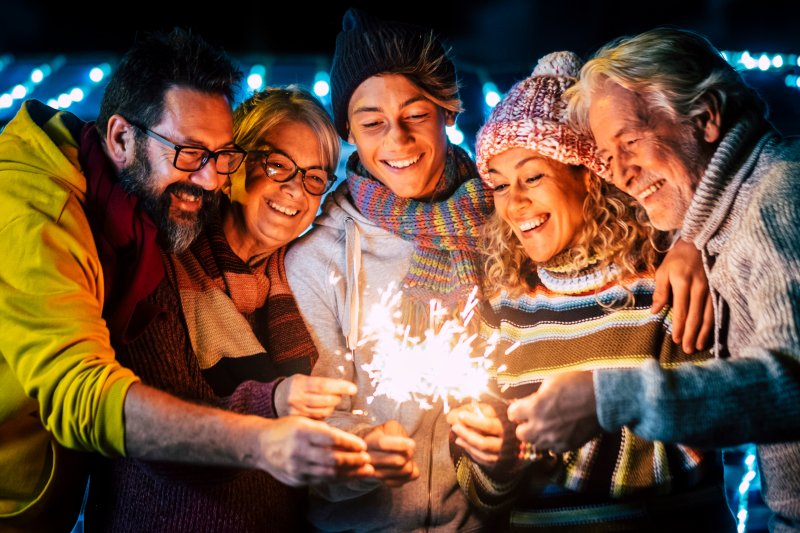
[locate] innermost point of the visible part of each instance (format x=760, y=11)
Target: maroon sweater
x=134, y=495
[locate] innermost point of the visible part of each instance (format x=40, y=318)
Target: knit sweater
x=745, y=219
x=135, y=495
x=335, y=272
x=564, y=323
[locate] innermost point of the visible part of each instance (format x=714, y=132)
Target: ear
x=120, y=141
x=709, y=121
x=449, y=118
x=350, y=138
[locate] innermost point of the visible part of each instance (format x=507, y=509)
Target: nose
x=518, y=197
x=294, y=185
x=624, y=172
x=207, y=177
x=398, y=135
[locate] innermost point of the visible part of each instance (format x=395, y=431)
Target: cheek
x=501, y=207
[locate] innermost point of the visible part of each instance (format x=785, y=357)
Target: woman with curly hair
x=570, y=277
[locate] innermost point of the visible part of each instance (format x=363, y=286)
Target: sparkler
x=438, y=366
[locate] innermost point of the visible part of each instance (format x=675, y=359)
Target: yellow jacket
x=60, y=385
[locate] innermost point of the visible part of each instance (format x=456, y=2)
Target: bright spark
x=440, y=366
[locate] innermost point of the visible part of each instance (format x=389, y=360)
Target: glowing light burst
x=439, y=366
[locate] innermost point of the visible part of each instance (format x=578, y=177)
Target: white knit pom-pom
x=562, y=64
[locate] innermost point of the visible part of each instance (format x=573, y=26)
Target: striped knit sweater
x=745, y=219
x=560, y=325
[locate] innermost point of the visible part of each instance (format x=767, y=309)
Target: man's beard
x=174, y=234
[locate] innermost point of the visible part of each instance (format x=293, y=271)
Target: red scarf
x=126, y=243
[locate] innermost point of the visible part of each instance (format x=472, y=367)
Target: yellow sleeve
x=53, y=337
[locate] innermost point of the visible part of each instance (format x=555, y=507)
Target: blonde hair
x=672, y=71
x=274, y=105
x=615, y=232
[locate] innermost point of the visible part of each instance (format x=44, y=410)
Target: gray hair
x=671, y=70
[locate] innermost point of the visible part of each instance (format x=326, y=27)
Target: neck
x=247, y=248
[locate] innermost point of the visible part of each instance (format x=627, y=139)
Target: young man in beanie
x=683, y=134
x=86, y=211
x=394, y=90
x=570, y=277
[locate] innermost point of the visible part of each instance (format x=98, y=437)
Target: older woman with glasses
x=230, y=332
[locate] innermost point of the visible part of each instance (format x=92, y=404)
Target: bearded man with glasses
x=87, y=211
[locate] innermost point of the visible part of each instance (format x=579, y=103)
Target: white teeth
x=533, y=223
x=402, y=163
x=282, y=209
x=650, y=190
x=186, y=196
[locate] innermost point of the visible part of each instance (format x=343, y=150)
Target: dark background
x=496, y=40
x=501, y=35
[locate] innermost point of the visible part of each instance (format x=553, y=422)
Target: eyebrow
x=519, y=164
x=196, y=143
x=377, y=109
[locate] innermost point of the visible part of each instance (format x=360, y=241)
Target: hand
x=682, y=272
x=311, y=396
x=391, y=453
x=560, y=416
x=298, y=451
x=479, y=432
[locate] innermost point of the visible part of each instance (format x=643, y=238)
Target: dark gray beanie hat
x=367, y=46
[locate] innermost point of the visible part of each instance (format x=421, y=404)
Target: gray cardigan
x=745, y=219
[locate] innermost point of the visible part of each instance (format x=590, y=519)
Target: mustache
x=188, y=188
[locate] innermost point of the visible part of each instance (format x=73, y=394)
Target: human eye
x=317, y=177
x=190, y=157
x=417, y=116
x=500, y=188
x=370, y=123
x=278, y=162
x=532, y=181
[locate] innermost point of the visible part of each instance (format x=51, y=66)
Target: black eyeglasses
x=193, y=158
x=281, y=168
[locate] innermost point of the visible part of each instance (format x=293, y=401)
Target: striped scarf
x=243, y=321
x=445, y=264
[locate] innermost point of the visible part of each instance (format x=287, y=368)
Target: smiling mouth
x=533, y=223
x=187, y=198
x=642, y=196
x=402, y=163
x=282, y=209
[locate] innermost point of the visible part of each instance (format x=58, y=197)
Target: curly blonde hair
x=615, y=232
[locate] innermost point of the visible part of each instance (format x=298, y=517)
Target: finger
x=519, y=410
x=694, y=317
x=316, y=473
x=315, y=400
x=392, y=471
x=479, y=456
x=392, y=444
x=478, y=441
x=388, y=461
x=662, y=292
x=525, y=433
x=489, y=425
x=680, y=309
x=323, y=435
x=393, y=427
x=330, y=386
x=706, y=332
x=453, y=414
